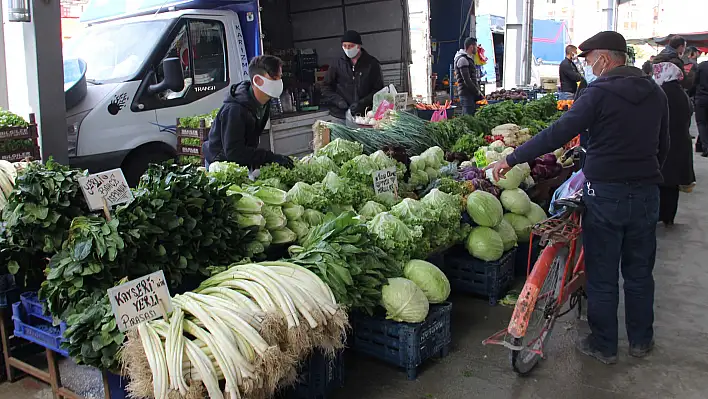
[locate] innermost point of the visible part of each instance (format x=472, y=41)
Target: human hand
x=499, y=169
x=284, y=161
x=342, y=104
x=354, y=108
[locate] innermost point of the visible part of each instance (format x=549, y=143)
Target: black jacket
x=699, y=92
x=352, y=84
x=678, y=168
x=569, y=76
x=466, y=76
x=237, y=129
x=627, y=118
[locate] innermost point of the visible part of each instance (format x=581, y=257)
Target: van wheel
x=137, y=162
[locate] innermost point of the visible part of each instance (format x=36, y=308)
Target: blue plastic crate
x=318, y=376
x=405, y=345
x=33, y=306
x=38, y=330
x=522, y=256
x=116, y=386
x=475, y=276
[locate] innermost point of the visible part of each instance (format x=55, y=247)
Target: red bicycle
x=557, y=278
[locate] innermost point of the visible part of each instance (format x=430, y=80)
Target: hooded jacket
x=669, y=54
x=352, y=84
x=466, y=76
x=237, y=128
x=627, y=117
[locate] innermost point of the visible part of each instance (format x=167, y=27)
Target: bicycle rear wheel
x=542, y=319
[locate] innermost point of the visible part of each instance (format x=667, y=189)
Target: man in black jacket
x=673, y=53
x=350, y=84
x=237, y=128
x=569, y=74
x=627, y=116
x=467, y=78
x=700, y=97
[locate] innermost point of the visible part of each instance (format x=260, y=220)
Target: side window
x=200, y=46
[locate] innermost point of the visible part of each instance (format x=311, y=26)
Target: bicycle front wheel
x=542, y=319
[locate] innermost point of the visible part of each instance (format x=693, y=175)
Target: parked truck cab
x=143, y=72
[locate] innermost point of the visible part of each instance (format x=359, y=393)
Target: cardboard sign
x=385, y=180
x=109, y=185
x=140, y=300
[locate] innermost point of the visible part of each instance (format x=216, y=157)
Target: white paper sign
x=385, y=180
x=140, y=300
x=110, y=185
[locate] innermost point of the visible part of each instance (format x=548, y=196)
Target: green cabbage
x=271, y=195
x=228, y=173
x=250, y=220
x=434, y=157
x=511, y=180
x=247, y=203
x=507, y=234
x=361, y=169
x=313, y=217
x=341, y=151
x=404, y=301
x=292, y=211
x=371, y=209
x=298, y=227
x=515, y=201
x=417, y=164
x=484, y=208
x=312, y=169
x=382, y=160
x=283, y=236
x=428, y=278
x=521, y=224
x=307, y=196
x=392, y=234
x=274, y=217
x=432, y=173
x=419, y=178
x=264, y=237
x=387, y=198
x=485, y=244
x=536, y=214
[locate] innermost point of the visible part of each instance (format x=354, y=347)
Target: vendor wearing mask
x=352, y=81
x=569, y=74
x=237, y=128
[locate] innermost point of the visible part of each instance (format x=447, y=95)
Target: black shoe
x=641, y=350
x=704, y=154
x=583, y=345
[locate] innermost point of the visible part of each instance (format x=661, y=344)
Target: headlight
x=73, y=124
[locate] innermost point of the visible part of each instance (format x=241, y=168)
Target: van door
x=209, y=66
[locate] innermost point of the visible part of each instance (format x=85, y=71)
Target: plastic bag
x=381, y=110
x=439, y=115
x=567, y=189
x=388, y=93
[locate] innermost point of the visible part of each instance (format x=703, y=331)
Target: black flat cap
x=608, y=40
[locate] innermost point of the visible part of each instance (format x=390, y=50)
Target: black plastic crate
x=405, y=345
x=9, y=292
x=318, y=376
x=475, y=276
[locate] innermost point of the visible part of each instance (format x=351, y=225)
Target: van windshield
x=114, y=52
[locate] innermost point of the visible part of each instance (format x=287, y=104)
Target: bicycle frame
x=568, y=226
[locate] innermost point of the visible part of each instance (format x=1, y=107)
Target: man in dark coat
x=466, y=77
x=569, y=74
x=700, y=97
x=647, y=66
x=673, y=53
x=350, y=84
x=627, y=118
x=237, y=128
x=678, y=168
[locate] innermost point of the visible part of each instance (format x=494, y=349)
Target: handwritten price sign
x=385, y=180
x=140, y=300
x=110, y=186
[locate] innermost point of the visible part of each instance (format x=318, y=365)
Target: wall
x=448, y=31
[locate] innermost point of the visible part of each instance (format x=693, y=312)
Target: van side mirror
x=173, y=80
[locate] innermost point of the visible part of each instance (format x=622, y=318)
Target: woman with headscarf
x=678, y=168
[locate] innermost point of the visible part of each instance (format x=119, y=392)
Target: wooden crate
x=21, y=133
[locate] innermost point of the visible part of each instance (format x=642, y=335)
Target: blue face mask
x=589, y=74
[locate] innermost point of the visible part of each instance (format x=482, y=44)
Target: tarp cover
x=698, y=39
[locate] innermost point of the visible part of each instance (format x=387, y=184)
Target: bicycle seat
x=570, y=202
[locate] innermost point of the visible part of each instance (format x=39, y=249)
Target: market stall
x=240, y=286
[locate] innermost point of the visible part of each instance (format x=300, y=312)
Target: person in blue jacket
x=627, y=118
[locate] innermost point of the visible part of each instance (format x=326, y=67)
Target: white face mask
x=589, y=74
x=273, y=88
x=351, y=52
